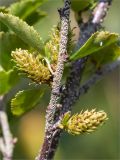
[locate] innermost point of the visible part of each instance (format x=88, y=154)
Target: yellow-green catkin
x=84, y=122
x=52, y=46
x=32, y=66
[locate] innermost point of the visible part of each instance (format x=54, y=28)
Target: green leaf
x=3, y=27
x=7, y=80
x=25, y=100
x=64, y=120
x=66, y=117
x=25, y=32
x=97, y=42
x=25, y=8
x=79, y=5
x=8, y=42
x=106, y=55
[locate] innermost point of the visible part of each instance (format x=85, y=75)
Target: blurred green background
x=104, y=144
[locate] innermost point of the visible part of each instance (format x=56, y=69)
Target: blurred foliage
x=30, y=129
x=25, y=100
x=9, y=42
x=80, y=5
x=7, y=80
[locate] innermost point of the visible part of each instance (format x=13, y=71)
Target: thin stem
x=55, y=93
x=97, y=76
x=100, y=11
x=7, y=142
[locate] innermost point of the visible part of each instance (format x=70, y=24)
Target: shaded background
x=103, y=144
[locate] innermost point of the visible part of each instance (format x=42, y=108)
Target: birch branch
x=7, y=141
x=55, y=93
x=47, y=152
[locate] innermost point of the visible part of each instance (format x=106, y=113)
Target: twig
x=101, y=11
x=7, y=142
x=55, y=93
x=97, y=76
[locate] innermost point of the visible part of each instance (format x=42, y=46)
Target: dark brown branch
x=77, y=68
